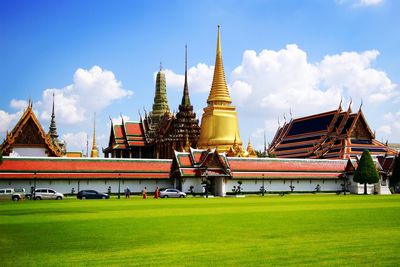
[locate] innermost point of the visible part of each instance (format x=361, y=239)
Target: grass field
x=326, y=230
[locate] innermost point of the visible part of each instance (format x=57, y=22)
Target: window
x=8, y=191
x=51, y=191
x=2, y=191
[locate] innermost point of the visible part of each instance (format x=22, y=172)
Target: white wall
x=196, y=182
x=222, y=186
x=65, y=186
x=29, y=152
x=283, y=185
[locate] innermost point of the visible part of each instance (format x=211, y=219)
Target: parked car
x=11, y=193
x=91, y=194
x=46, y=193
x=171, y=193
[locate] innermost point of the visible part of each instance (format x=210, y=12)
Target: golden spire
x=250, y=151
x=219, y=124
x=94, y=153
x=219, y=93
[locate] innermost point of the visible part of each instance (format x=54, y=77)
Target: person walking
x=144, y=192
x=157, y=193
x=127, y=192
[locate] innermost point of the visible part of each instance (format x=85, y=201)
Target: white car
x=11, y=193
x=46, y=193
x=172, y=193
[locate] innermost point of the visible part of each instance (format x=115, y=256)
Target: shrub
x=366, y=172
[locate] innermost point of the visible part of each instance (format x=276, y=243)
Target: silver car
x=172, y=193
x=46, y=193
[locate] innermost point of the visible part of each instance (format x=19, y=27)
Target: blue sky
x=101, y=56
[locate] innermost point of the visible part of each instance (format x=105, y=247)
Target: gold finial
x=94, y=130
x=94, y=153
x=160, y=66
x=219, y=50
x=219, y=93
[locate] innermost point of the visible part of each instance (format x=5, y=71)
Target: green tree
x=395, y=179
x=1, y=156
x=366, y=172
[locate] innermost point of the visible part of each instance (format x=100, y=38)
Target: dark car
x=87, y=194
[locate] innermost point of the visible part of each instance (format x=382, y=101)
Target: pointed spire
x=160, y=106
x=185, y=97
x=349, y=108
x=87, y=145
x=94, y=131
x=94, y=153
x=219, y=93
x=53, y=128
x=265, y=144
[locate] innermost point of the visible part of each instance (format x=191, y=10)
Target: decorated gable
x=29, y=139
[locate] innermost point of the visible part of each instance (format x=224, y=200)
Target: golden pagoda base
x=219, y=128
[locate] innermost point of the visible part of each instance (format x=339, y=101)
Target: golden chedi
x=94, y=153
x=219, y=124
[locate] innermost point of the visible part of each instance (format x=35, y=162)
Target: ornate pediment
x=30, y=135
x=29, y=132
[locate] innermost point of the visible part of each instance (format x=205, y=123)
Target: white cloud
x=352, y=73
x=199, y=78
x=368, y=2
x=8, y=120
x=269, y=84
x=92, y=91
x=279, y=80
x=390, y=129
x=76, y=140
x=360, y=3
x=118, y=120
x=18, y=104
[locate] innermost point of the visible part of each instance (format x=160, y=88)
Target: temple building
x=315, y=153
x=186, y=172
x=336, y=134
x=219, y=124
x=160, y=132
x=29, y=139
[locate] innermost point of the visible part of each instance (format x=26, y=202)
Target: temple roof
x=29, y=132
x=195, y=162
x=78, y=168
x=126, y=134
x=333, y=134
x=198, y=162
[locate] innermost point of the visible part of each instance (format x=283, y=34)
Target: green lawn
x=253, y=231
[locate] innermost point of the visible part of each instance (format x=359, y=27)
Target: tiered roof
x=270, y=168
x=336, y=134
x=28, y=132
x=129, y=133
x=197, y=161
